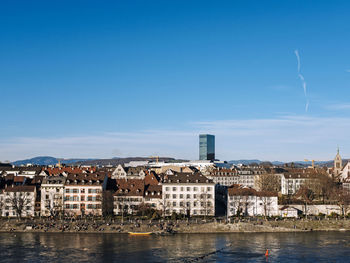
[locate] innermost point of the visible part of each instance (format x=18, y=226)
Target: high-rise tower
x=206, y=147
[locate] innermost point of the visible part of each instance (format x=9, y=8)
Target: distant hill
x=116, y=160
x=46, y=160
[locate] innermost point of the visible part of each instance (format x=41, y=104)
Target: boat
x=140, y=233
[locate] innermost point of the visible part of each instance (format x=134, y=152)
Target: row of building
x=201, y=190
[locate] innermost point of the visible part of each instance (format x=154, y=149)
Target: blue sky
x=136, y=78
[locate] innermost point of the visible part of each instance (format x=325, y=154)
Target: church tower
x=338, y=164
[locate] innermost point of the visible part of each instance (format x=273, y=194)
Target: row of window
x=188, y=196
x=82, y=198
x=77, y=206
x=194, y=212
x=188, y=204
x=82, y=190
x=188, y=189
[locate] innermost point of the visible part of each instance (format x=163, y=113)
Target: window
x=82, y=191
x=174, y=188
x=208, y=188
x=167, y=188
x=174, y=203
x=174, y=196
x=188, y=189
x=195, y=189
x=181, y=189
x=167, y=196
x=181, y=196
x=75, y=191
x=82, y=198
x=188, y=196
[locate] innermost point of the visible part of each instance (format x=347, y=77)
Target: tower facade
x=206, y=147
x=338, y=164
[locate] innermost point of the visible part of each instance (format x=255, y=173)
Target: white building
x=19, y=200
x=191, y=194
x=249, y=202
x=291, y=182
x=52, y=192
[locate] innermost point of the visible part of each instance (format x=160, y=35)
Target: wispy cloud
x=301, y=77
x=283, y=138
x=338, y=106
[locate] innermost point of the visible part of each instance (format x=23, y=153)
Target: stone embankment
x=169, y=226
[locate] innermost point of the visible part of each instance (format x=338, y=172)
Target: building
x=189, y=194
x=224, y=177
x=249, y=202
x=19, y=201
x=83, y=194
x=52, y=192
x=292, y=181
x=128, y=172
x=206, y=147
x=128, y=196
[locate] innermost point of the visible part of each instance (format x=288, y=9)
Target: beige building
x=83, y=194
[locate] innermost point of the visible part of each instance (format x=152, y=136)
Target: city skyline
x=269, y=80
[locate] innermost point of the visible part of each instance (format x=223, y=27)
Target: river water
x=234, y=247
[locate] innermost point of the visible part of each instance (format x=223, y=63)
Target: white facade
x=52, y=192
x=252, y=205
x=189, y=198
x=19, y=199
x=290, y=184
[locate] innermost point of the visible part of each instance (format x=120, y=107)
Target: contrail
x=303, y=82
x=301, y=77
x=298, y=58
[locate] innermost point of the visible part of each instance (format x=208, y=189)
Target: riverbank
x=163, y=227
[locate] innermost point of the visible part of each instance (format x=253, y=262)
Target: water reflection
x=237, y=247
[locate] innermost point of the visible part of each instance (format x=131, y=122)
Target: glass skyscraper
x=206, y=147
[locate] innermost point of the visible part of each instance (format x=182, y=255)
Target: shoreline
x=179, y=228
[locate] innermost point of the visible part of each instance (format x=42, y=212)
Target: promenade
x=173, y=226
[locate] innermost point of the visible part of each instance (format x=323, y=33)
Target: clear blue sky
x=135, y=78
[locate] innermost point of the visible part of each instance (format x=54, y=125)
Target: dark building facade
x=206, y=147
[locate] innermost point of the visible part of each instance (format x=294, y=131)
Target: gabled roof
x=153, y=191
x=130, y=187
x=85, y=179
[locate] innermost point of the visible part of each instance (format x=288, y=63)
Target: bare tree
x=342, y=198
x=268, y=182
x=266, y=201
x=107, y=203
x=19, y=201
x=306, y=195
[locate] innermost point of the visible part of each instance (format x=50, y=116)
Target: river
x=234, y=247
